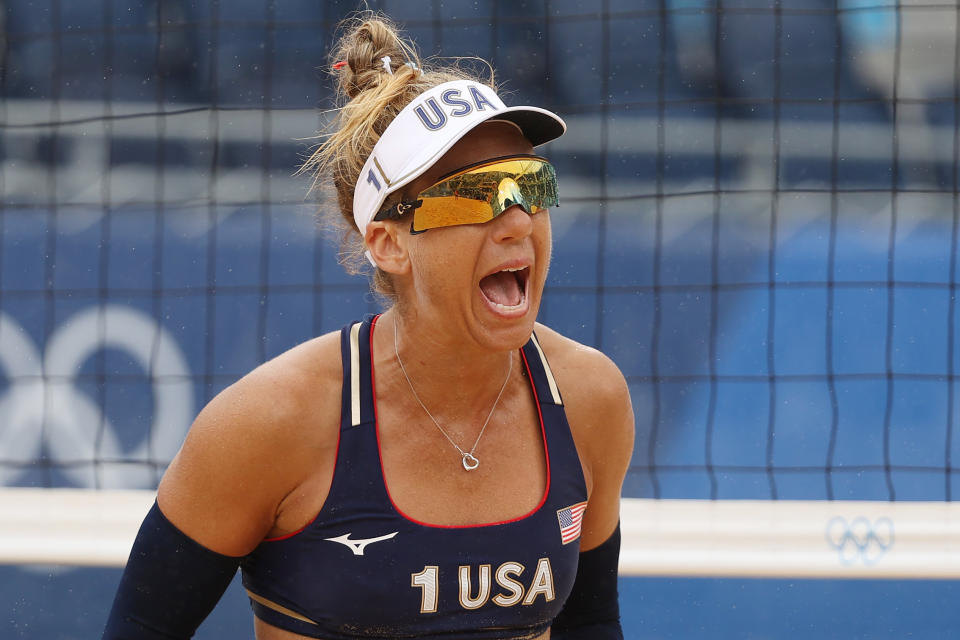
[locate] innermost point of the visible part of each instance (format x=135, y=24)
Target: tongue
x=502, y=287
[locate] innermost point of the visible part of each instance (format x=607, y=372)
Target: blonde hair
x=369, y=98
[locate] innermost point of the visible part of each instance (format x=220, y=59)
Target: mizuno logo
x=357, y=546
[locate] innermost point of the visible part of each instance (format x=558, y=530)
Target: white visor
x=426, y=129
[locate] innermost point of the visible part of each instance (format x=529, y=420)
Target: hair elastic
x=386, y=64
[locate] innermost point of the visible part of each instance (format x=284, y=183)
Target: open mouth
x=506, y=289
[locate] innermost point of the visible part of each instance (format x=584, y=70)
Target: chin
x=508, y=329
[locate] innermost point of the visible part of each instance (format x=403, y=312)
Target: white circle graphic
x=42, y=405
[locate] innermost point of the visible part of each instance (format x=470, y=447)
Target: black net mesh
x=758, y=223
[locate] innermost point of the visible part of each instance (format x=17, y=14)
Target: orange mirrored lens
x=479, y=194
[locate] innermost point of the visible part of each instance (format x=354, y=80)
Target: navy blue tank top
x=362, y=569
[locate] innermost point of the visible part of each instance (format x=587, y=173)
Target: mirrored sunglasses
x=479, y=193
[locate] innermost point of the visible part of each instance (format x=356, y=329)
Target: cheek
x=443, y=261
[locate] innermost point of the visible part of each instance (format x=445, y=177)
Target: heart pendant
x=470, y=462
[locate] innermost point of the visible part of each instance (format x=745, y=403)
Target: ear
x=387, y=244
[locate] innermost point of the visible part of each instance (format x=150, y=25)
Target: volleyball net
x=758, y=223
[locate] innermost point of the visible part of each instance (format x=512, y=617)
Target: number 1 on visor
x=479, y=193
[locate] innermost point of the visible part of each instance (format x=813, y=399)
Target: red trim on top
x=543, y=433
x=290, y=535
x=336, y=458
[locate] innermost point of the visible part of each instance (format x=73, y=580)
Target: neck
x=449, y=375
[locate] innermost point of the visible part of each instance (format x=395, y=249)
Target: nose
x=513, y=224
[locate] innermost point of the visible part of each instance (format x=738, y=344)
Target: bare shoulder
x=253, y=444
x=596, y=400
x=586, y=377
x=275, y=398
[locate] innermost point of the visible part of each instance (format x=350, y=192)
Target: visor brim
x=539, y=126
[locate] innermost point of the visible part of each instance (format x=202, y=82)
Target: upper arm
x=608, y=450
x=245, y=452
x=601, y=421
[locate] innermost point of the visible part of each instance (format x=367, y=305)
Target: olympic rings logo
x=42, y=407
x=860, y=539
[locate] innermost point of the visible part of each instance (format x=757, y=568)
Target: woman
x=449, y=468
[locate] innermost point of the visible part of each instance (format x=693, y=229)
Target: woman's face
x=486, y=279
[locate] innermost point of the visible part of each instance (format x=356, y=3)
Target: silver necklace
x=470, y=461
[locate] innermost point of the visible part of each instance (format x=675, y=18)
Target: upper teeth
x=515, y=269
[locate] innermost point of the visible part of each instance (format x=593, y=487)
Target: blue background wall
x=758, y=223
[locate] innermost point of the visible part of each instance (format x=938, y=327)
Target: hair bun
x=369, y=96
x=363, y=46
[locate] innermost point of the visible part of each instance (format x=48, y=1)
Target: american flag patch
x=570, y=520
